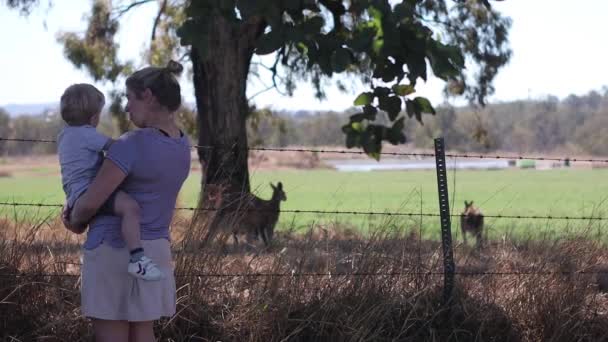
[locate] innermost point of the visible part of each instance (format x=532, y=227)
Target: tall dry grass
x=318, y=286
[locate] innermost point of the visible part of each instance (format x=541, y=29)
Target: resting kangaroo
x=471, y=221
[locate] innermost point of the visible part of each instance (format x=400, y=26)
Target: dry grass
x=337, y=299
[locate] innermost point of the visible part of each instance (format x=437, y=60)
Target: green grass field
x=505, y=192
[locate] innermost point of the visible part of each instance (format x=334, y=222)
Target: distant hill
x=28, y=109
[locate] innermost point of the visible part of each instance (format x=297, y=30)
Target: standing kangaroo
x=471, y=221
x=262, y=216
x=253, y=217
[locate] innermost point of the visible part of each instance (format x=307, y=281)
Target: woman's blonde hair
x=79, y=103
x=161, y=82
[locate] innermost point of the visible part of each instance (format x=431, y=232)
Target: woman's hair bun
x=174, y=67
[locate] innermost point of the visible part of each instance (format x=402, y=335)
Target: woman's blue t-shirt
x=156, y=167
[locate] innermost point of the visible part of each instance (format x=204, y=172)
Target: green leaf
x=341, y=59
x=302, y=48
x=375, y=155
x=395, y=134
x=382, y=91
x=357, y=126
x=362, y=39
x=417, y=67
x=410, y=108
x=371, y=141
x=447, y=61
x=313, y=25
x=424, y=105
x=413, y=109
x=403, y=89
x=352, y=140
x=364, y=99
x=403, y=11
x=357, y=117
x=391, y=105
x=370, y=112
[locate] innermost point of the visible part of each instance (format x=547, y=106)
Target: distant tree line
x=47, y=125
x=574, y=125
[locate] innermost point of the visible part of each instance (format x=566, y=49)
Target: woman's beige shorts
x=109, y=292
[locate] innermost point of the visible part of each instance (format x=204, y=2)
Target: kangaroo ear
x=280, y=186
x=466, y=204
x=272, y=186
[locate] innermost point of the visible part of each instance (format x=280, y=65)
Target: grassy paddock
x=349, y=289
x=504, y=192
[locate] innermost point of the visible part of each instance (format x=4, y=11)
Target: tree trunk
x=220, y=80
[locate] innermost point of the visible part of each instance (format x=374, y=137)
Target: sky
x=558, y=49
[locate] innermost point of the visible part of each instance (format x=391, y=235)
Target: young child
x=80, y=149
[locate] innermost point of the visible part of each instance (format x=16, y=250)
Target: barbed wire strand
x=367, y=213
x=412, y=154
x=326, y=274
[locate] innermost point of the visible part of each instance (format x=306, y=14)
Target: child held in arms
x=80, y=149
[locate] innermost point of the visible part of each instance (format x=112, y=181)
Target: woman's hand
x=65, y=218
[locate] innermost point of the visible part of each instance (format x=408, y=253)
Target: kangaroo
x=471, y=221
x=254, y=217
x=262, y=216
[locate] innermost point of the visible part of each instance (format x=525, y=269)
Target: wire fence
x=404, y=154
x=523, y=272
x=342, y=274
x=337, y=212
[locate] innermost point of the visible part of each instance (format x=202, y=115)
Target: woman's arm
x=107, y=180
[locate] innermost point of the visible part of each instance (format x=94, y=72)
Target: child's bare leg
x=130, y=213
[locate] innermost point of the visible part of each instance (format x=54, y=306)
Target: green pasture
x=498, y=192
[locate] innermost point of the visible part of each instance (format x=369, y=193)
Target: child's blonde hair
x=79, y=103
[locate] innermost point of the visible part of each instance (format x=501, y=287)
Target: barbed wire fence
x=344, y=212
x=402, y=154
x=449, y=270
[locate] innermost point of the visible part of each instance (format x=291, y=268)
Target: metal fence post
x=446, y=232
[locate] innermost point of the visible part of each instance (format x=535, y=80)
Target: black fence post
x=446, y=232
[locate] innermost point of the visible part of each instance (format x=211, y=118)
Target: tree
x=5, y=129
x=388, y=45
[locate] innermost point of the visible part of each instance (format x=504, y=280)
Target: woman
x=149, y=164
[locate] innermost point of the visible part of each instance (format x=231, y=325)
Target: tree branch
x=123, y=10
x=260, y=92
x=161, y=10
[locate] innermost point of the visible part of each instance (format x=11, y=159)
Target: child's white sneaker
x=145, y=269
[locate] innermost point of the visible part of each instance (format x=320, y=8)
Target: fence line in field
x=329, y=274
x=363, y=213
x=406, y=154
x=521, y=272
